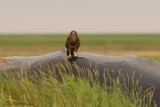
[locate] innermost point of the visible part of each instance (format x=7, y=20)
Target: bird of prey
x=72, y=44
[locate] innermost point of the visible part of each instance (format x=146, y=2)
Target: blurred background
x=37, y=27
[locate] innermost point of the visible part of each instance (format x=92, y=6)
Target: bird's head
x=73, y=33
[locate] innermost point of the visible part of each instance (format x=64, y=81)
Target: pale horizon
x=89, y=16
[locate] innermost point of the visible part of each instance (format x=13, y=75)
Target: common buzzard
x=72, y=44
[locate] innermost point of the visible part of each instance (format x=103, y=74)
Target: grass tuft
x=80, y=90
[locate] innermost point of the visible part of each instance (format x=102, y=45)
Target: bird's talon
x=69, y=56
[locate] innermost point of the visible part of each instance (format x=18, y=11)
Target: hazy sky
x=85, y=16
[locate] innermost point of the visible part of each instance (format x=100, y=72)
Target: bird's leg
x=75, y=53
x=69, y=54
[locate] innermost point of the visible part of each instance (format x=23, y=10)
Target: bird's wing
x=67, y=41
x=78, y=42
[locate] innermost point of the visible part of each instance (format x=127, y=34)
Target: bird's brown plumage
x=72, y=43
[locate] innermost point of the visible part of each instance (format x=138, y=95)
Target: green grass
x=49, y=92
x=26, y=45
x=40, y=44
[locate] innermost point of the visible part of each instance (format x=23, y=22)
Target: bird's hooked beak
x=73, y=32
